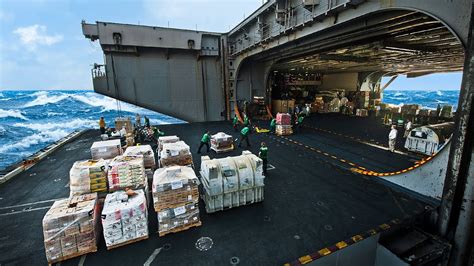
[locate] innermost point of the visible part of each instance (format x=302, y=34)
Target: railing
x=291, y=18
x=98, y=71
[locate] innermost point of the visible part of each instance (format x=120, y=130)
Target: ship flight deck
x=312, y=200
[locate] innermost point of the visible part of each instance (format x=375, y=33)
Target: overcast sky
x=42, y=46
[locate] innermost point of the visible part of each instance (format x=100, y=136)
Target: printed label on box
x=179, y=210
x=176, y=184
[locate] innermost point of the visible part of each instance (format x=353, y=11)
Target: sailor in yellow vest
x=102, y=125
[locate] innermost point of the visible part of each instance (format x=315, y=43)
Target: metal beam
x=455, y=214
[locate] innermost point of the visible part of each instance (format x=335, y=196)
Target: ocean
x=30, y=120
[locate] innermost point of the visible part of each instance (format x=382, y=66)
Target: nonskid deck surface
x=310, y=202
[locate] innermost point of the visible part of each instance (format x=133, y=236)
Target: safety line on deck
x=354, y=167
x=371, y=143
x=343, y=244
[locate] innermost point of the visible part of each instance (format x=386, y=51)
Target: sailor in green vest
x=273, y=125
x=205, y=141
x=299, y=122
x=263, y=155
x=244, y=135
x=147, y=121
x=157, y=133
x=235, y=123
x=246, y=120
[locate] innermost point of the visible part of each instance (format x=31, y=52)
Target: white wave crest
x=398, y=94
x=108, y=104
x=50, y=127
x=43, y=97
x=32, y=140
x=439, y=93
x=12, y=113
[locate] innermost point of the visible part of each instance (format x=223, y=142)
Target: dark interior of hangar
x=350, y=66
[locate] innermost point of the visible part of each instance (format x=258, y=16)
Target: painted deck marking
x=152, y=257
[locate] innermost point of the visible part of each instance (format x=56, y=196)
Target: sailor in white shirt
x=392, y=138
x=407, y=128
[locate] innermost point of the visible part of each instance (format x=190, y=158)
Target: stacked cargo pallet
x=106, y=149
x=177, y=153
x=232, y=181
x=124, y=218
x=126, y=172
x=283, y=127
x=146, y=151
x=88, y=176
x=175, y=199
x=71, y=227
x=362, y=112
x=124, y=122
x=221, y=142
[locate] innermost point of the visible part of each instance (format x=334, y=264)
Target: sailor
x=244, y=135
x=246, y=120
x=147, y=121
x=102, y=125
x=263, y=155
x=138, y=120
x=235, y=123
x=299, y=122
x=392, y=138
x=408, y=126
x=273, y=125
x=205, y=141
x=123, y=132
x=157, y=133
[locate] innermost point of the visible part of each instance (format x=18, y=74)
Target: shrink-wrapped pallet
x=71, y=227
x=88, y=176
x=146, y=151
x=221, y=142
x=283, y=130
x=107, y=149
x=172, y=220
x=177, y=153
x=283, y=119
x=124, y=122
x=174, y=186
x=126, y=172
x=124, y=218
x=232, y=181
x=175, y=199
x=362, y=112
x=166, y=139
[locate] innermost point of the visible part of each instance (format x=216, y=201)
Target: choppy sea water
x=426, y=98
x=30, y=120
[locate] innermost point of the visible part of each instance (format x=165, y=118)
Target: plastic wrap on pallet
x=232, y=181
x=126, y=172
x=166, y=139
x=71, y=227
x=222, y=142
x=107, y=149
x=146, y=151
x=124, y=122
x=181, y=217
x=177, y=153
x=283, y=130
x=283, y=119
x=174, y=186
x=124, y=218
x=362, y=112
x=88, y=176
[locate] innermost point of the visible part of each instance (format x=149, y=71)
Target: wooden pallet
x=231, y=148
x=78, y=254
x=127, y=242
x=180, y=228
